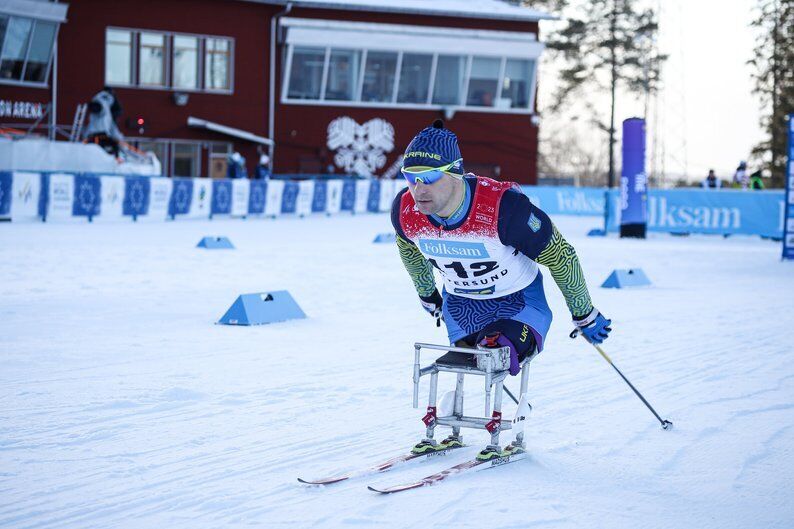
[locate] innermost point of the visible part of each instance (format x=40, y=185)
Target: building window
x=218, y=52
x=12, y=61
x=343, y=68
x=168, y=60
x=414, y=78
x=159, y=148
x=151, y=57
x=218, y=159
x=379, y=76
x=38, y=62
x=449, y=79
x=517, y=82
x=186, y=62
x=306, y=73
x=397, y=78
x=483, y=81
x=186, y=159
x=118, y=57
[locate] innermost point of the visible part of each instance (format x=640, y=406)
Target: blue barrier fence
x=675, y=210
x=29, y=196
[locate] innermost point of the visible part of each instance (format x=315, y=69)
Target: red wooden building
x=329, y=85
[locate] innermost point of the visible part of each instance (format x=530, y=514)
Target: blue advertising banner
x=137, y=190
x=567, y=200
x=348, y=195
x=5, y=193
x=87, y=196
x=676, y=210
x=633, y=181
x=221, y=197
x=181, y=197
x=373, y=199
x=257, y=197
x=289, y=199
x=788, y=224
x=320, y=196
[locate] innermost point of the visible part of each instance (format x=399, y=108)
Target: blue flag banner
x=87, y=196
x=136, y=196
x=221, y=197
x=320, y=198
x=633, y=181
x=788, y=224
x=257, y=196
x=5, y=194
x=373, y=200
x=181, y=197
x=289, y=199
x=348, y=195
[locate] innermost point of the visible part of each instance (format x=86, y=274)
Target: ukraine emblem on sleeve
x=533, y=222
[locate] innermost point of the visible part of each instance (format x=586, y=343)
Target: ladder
x=77, y=122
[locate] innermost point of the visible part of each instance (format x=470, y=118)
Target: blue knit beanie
x=434, y=146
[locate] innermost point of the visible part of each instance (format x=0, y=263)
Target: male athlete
x=486, y=239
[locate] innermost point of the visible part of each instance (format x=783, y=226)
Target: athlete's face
x=435, y=198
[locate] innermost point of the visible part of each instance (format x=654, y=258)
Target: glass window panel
x=185, y=62
x=40, y=51
x=3, y=26
x=379, y=75
x=306, y=74
x=449, y=79
x=118, y=57
x=414, y=78
x=157, y=147
x=516, y=84
x=343, y=71
x=482, y=82
x=186, y=159
x=152, y=65
x=217, y=64
x=15, y=48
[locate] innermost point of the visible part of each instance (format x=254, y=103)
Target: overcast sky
x=707, y=114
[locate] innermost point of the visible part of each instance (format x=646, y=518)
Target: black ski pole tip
x=666, y=425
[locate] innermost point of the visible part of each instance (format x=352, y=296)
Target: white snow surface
x=122, y=404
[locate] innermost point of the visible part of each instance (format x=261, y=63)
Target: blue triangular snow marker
x=632, y=277
x=386, y=237
x=262, y=307
x=596, y=232
x=215, y=243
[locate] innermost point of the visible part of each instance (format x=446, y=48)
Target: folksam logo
x=458, y=249
x=664, y=215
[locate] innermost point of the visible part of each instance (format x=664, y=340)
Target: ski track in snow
x=122, y=405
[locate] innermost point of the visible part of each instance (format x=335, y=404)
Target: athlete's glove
x=433, y=305
x=594, y=326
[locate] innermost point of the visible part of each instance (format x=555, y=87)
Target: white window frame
x=168, y=58
x=22, y=82
x=402, y=39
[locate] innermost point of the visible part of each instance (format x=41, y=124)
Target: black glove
x=433, y=304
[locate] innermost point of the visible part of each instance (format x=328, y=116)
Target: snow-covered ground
x=123, y=405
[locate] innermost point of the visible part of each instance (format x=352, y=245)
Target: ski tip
x=321, y=482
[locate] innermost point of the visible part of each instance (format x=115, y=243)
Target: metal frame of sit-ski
x=493, y=364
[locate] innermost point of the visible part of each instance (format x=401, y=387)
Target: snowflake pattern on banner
x=360, y=149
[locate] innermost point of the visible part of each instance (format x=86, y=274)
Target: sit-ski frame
x=493, y=364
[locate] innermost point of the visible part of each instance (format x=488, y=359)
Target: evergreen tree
x=604, y=45
x=773, y=73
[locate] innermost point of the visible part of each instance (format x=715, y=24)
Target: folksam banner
x=633, y=189
x=676, y=210
x=788, y=224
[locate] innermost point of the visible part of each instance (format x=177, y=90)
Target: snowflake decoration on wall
x=360, y=149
